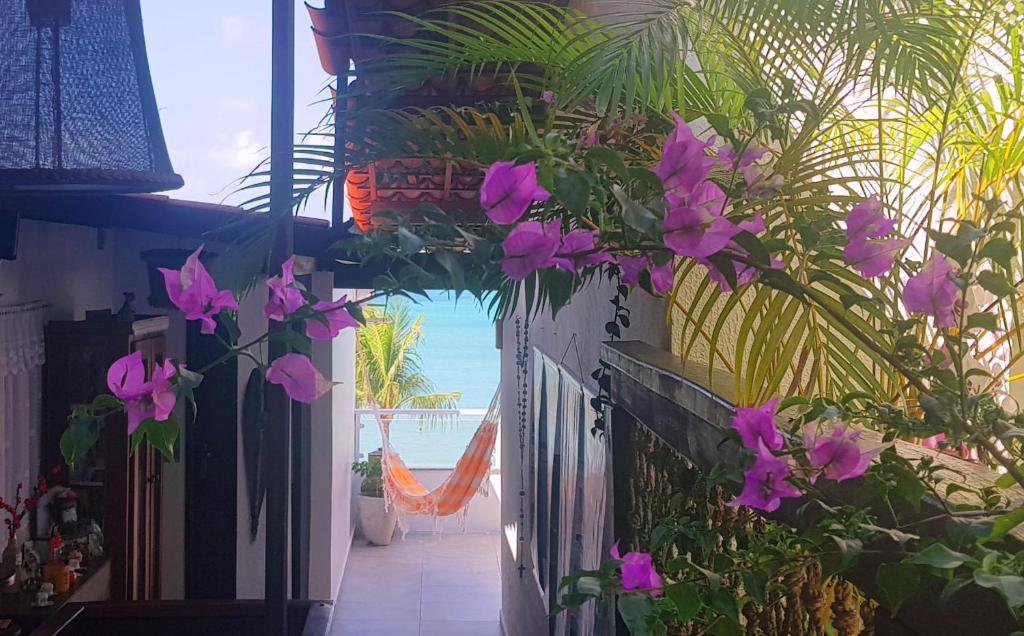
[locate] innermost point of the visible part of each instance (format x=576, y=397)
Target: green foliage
x=388, y=373
x=373, y=477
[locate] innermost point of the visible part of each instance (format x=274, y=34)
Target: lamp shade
x=77, y=110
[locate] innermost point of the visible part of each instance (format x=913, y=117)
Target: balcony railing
x=425, y=438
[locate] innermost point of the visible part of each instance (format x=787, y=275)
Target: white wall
x=333, y=447
x=573, y=340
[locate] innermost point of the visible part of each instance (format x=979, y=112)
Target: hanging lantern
x=77, y=111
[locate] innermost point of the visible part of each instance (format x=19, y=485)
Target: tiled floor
x=424, y=585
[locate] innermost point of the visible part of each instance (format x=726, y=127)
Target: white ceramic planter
x=377, y=523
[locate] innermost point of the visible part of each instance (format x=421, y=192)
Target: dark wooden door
x=126, y=500
x=211, y=477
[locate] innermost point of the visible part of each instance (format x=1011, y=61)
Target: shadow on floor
x=425, y=585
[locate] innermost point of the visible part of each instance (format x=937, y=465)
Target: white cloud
x=242, y=150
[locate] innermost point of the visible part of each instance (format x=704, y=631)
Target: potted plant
x=376, y=519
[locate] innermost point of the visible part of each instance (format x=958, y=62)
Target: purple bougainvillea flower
x=750, y=154
x=865, y=249
x=756, y=425
x=508, y=190
x=873, y=257
x=932, y=291
x=529, y=247
x=589, y=137
x=865, y=221
x=632, y=267
x=548, y=96
x=163, y=394
x=933, y=441
x=300, y=379
x=337, y=317
x=638, y=571
x=193, y=291
x=684, y=163
x=765, y=483
x=126, y=379
x=285, y=297
x=663, y=277
x=579, y=251
x=837, y=455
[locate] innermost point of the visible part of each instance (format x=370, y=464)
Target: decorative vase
x=10, y=583
x=377, y=523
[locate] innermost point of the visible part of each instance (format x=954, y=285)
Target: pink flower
x=589, y=137
x=933, y=441
x=684, y=163
x=765, y=483
x=838, y=454
x=163, y=395
x=663, y=277
x=337, y=317
x=579, y=251
x=866, y=221
x=932, y=291
x=300, y=379
x=873, y=257
x=508, y=191
x=760, y=180
x=865, y=249
x=638, y=571
x=632, y=267
x=126, y=379
x=749, y=155
x=757, y=424
x=285, y=297
x=529, y=247
x=193, y=291
x=548, y=96
x=694, y=226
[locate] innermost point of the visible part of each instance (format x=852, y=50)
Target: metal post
x=282, y=131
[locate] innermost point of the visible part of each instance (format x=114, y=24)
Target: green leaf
x=78, y=438
x=451, y=264
x=995, y=283
x=297, y=341
x=408, y=243
x=1005, y=523
x=938, y=556
x=1006, y=481
x=104, y=402
x=725, y=627
x=783, y=282
x=896, y=583
x=989, y=322
x=1000, y=251
x=723, y=601
x=686, y=599
x=637, y=610
x=229, y=325
x=572, y=190
x=635, y=215
x=433, y=214
x=1010, y=587
x=610, y=158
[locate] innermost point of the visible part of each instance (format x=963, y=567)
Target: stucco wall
x=574, y=338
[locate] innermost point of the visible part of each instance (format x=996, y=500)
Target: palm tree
x=388, y=368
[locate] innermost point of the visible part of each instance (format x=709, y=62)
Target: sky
x=210, y=63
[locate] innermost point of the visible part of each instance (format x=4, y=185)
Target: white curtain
x=21, y=359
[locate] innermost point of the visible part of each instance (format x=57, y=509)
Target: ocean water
x=457, y=353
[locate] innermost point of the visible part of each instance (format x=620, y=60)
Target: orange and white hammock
x=403, y=491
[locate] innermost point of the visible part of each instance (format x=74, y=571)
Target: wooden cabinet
x=119, y=489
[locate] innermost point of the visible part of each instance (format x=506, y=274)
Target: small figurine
x=30, y=561
x=44, y=594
